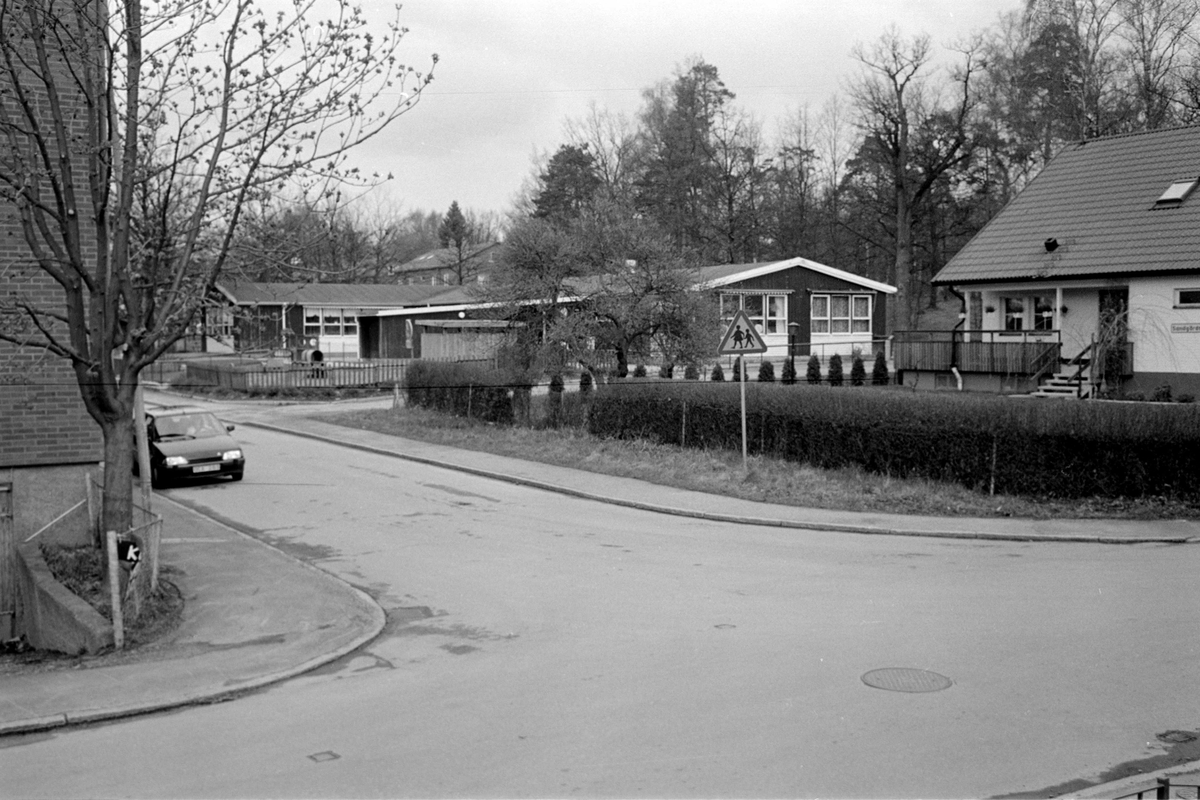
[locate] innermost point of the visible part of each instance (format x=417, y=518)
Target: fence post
x=114, y=591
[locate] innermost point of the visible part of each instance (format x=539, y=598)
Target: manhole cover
x=903, y=679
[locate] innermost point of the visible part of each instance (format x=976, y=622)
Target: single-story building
x=803, y=305
x=318, y=316
x=1091, y=272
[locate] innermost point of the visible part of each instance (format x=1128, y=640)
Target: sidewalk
x=255, y=616
x=252, y=616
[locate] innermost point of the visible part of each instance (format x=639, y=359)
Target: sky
x=512, y=72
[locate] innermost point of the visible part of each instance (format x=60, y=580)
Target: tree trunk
x=118, y=467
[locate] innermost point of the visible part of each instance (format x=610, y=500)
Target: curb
x=1143, y=784
x=378, y=620
x=837, y=527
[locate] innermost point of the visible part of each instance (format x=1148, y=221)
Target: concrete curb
x=378, y=620
x=731, y=518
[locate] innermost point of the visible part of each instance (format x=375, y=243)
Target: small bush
x=858, y=372
x=585, y=382
x=789, y=372
x=1162, y=394
x=879, y=372
x=718, y=374
x=738, y=370
x=639, y=371
x=766, y=372
x=836, y=376
x=554, y=401
x=1136, y=397
x=691, y=373
x=1185, y=397
x=813, y=374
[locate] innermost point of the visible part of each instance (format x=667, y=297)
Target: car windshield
x=196, y=426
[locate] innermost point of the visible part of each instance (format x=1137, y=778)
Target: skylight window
x=1176, y=193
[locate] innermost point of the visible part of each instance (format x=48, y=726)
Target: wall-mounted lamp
x=1051, y=245
x=990, y=309
x=1063, y=309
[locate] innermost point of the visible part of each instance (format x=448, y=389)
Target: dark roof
x=481, y=255
x=357, y=295
x=1096, y=199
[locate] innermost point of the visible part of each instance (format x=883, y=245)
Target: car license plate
x=206, y=468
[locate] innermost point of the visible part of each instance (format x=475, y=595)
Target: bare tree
x=896, y=103
x=130, y=145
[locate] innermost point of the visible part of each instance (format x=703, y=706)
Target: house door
x=8, y=563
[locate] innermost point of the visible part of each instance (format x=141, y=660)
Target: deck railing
x=996, y=352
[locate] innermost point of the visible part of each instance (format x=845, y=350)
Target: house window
x=768, y=312
x=312, y=323
x=841, y=313
x=1014, y=314
x=1187, y=298
x=1029, y=314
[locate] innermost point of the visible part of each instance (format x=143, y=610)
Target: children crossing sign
x=742, y=337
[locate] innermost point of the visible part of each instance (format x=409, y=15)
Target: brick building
x=48, y=441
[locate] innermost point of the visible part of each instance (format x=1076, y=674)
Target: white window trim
x=759, y=321
x=1179, y=303
x=828, y=317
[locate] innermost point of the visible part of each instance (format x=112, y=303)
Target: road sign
x=742, y=337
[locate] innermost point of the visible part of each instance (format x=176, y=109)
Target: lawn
x=722, y=472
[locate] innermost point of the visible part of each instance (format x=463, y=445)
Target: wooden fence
x=993, y=352
x=257, y=377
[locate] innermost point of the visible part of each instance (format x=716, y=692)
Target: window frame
x=771, y=318
x=1180, y=302
x=848, y=321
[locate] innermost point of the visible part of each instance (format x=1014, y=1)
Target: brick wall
x=42, y=417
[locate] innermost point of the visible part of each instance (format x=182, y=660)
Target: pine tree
x=789, y=372
x=858, y=372
x=718, y=374
x=879, y=373
x=766, y=372
x=813, y=375
x=836, y=378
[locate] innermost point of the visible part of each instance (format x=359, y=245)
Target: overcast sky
x=513, y=71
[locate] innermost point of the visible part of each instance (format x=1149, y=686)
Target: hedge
x=467, y=390
x=989, y=443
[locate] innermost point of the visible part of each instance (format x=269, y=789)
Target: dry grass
x=721, y=472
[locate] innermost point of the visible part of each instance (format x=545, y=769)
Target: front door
x=1112, y=335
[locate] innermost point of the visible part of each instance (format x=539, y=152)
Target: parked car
x=189, y=443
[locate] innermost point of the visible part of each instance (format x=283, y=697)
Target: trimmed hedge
x=467, y=390
x=988, y=443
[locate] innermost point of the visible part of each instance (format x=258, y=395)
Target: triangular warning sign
x=742, y=337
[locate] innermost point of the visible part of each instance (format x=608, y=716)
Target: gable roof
x=1097, y=200
x=725, y=274
x=358, y=295
x=480, y=255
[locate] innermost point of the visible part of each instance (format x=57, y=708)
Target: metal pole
x=742, y=381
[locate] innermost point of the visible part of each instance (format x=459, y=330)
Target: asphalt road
x=540, y=645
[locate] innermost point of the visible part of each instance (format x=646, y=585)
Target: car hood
x=209, y=447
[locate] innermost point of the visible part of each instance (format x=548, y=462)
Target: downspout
x=962, y=321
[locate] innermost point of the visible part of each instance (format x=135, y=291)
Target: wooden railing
x=997, y=352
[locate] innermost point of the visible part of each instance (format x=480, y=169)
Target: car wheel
x=156, y=478
x=237, y=476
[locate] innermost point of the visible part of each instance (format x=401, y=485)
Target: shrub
x=691, y=373
x=739, y=371
x=879, y=372
x=554, y=401
x=1162, y=393
x=1185, y=397
x=858, y=372
x=1136, y=397
x=585, y=382
x=813, y=374
x=467, y=390
x=639, y=371
x=718, y=374
x=836, y=377
x=766, y=372
x=789, y=372
x=667, y=371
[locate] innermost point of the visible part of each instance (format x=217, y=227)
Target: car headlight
x=175, y=461
x=231, y=455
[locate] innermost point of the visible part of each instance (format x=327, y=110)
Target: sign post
x=742, y=338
